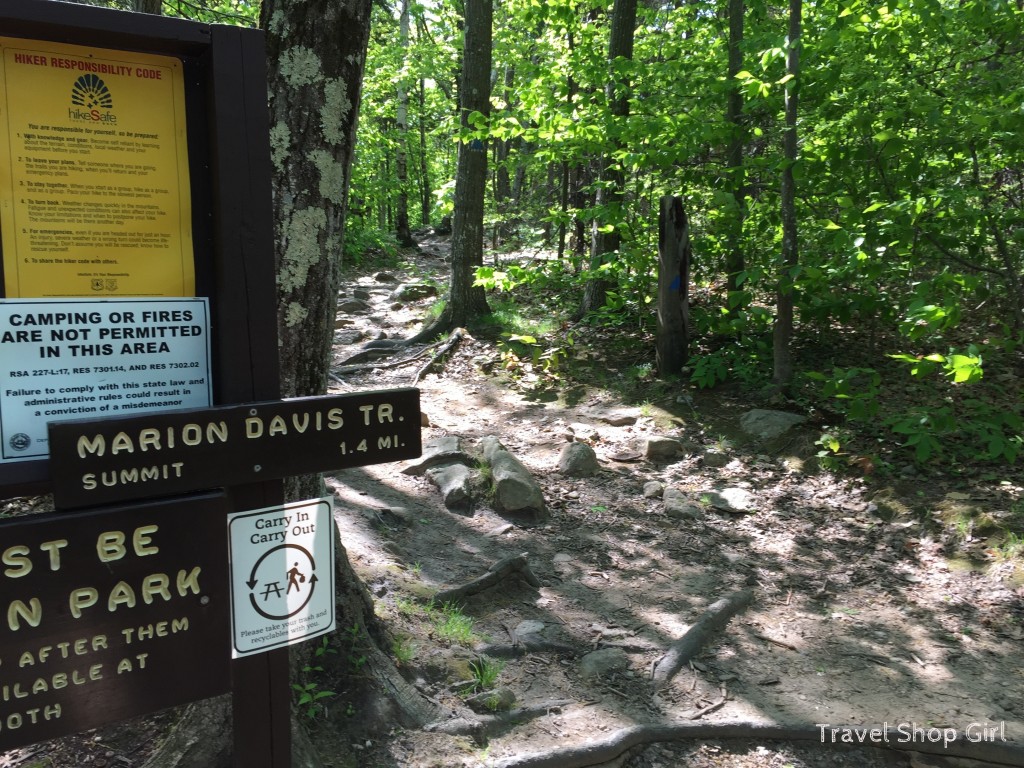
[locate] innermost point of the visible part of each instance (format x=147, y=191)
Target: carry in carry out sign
x=282, y=575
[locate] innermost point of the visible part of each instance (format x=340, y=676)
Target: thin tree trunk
x=604, y=241
x=403, y=231
x=467, y=302
x=425, y=191
x=783, y=332
x=734, y=162
x=672, y=335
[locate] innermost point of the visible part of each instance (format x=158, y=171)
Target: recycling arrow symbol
x=277, y=584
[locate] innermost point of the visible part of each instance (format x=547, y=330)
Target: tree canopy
x=907, y=178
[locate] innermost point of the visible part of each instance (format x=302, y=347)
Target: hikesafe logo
x=92, y=101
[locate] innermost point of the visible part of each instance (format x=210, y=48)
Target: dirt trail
x=859, y=617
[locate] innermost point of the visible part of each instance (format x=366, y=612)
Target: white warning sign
x=282, y=575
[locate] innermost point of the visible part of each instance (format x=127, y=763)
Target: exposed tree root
x=453, y=338
x=524, y=644
x=597, y=752
x=370, y=356
x=488, y=725
x=501, y=570
x=685, y=648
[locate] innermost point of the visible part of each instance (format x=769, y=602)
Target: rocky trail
x=626, y=529
x=650, y=515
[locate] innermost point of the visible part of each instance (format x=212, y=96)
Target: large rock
x=766, y=425
x=437, y=452
x=515, y=490
x=578, y=460
x=455, y=482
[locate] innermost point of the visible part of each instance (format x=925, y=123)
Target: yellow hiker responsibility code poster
x=94, y=187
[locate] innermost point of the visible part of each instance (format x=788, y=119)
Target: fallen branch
x=711, y=707
x=596, y=752
x=686, y=647
x=446, y=347
x=499, y=571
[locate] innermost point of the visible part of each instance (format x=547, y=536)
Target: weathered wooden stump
x=674, y=254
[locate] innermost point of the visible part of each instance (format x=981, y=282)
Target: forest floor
x=868, y=609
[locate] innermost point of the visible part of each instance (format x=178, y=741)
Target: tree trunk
x=466, y=302
x=783, y=332
x=605, y=242
x=316, y=52
x=403, y=231
x=154, y=7
x=471, y=178
x=734, y=161
x=425, y=191
x=672, y=336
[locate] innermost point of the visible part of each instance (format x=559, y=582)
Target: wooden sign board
x=109, y=615
x=98, y=462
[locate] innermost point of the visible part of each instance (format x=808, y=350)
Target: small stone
x=621, y=418
x=349, y=337
x=361, y=293
x=353, y=306
x=662, y=448
x=715, y=459
x=413, y=292
x=603, y=663
x=731, y=500
x=529, y=627
x=680, y=506
x=385, y=277
x=578, y=460
x=766, y=424
x=653, y=489
x=562, y=557
x=499, y=700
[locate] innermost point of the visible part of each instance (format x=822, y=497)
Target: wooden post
x=672, y=335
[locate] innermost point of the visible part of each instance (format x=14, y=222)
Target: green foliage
x=309, y=696
x=485, y=672
x=453, y=625
x=910, y=204
x=854, y=390
x=403, y=649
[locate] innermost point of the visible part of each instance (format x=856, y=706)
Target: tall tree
x=316, y=52
x=782, y=338
x=606, y=235
x=734, y=160
x=466, y=301
x=402, y=229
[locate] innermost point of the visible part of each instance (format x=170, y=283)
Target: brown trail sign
x=110, y=615
x=142, y=145
x=97, y=462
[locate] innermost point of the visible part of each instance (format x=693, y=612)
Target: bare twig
x=686, y=647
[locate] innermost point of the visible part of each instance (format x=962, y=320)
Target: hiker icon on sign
x=295, y=577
